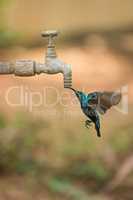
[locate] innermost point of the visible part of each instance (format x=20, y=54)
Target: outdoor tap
x=51, y=65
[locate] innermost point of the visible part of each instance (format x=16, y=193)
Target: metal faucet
x=52, y=64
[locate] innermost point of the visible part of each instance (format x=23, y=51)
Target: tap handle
x=50, y=35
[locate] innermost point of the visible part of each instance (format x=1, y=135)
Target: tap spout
x=31, y=68
x=55, y=66
x=52, y=64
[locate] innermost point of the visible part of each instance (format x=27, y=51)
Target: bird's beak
x=76, y=92
x=72, y=89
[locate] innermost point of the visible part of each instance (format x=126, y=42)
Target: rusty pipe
x=52, y=64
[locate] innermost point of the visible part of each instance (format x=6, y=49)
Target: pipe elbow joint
x=55, y=65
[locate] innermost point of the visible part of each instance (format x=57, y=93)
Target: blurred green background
x=46, y=153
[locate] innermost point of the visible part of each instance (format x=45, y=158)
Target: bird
x=95, y=103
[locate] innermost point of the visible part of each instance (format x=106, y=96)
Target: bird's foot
x=88, y=123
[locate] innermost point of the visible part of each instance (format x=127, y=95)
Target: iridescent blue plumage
x=96, y=101
x=88, y=110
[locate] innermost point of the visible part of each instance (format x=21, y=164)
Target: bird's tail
x=97, y=127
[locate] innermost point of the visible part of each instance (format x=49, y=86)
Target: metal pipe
x=6, y=68
x=52, y=65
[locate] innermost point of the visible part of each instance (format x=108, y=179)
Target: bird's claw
x=88, y=124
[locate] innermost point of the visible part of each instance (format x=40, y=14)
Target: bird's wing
x=102, y=101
